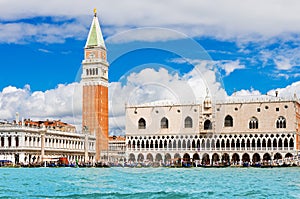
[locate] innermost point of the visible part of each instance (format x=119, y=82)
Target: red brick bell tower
x=95, y=87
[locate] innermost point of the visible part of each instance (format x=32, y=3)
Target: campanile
x=94, y=79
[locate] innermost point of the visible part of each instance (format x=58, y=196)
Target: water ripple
x=150, y=183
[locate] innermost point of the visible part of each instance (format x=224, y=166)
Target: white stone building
x=235, y=131
x=27, y=144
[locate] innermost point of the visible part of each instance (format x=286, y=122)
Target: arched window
x=164, y=123
x=281, y=122
x=87, y=71
x=207, y=125
x=228, y=122
x=2, y=141
x=142, y=123
x=17, y=141
x=188, y=122
x=253, y=123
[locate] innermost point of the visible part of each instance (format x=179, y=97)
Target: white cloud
x=44, y=33
x=244, y=92
x=146, y=34
x=44, y=50
x=283, y=54
x=240, y=20
x=63, y=102
x=287, y=92
x=230, y=66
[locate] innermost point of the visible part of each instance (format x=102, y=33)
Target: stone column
x=86, y=147
x=5, y=141
x=13, y=141
x=43, y=144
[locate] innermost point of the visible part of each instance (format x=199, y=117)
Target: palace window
x=17, y=141
x=142, y=123
x=9, y=141
x=164, y=123
x=253, y=123
x=281, y=122
x=228, y=122
x=188, y=122
x=207, y=125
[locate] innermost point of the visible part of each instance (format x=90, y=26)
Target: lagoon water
x=150, y=183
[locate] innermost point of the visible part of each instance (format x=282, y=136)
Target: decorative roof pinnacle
x=95, y=12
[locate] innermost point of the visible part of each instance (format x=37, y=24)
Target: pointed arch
x=198, y=144
x=207, y=125
x=274, y=144
x=150, y=157
x=131, y=157
x=253, y=143
x=193, y=144
x=140, y=157
x=213, y=144
x=258, y=144
x=160, y=144
x=269, y=143
x=188, y=144
x=188, y=122
x=285, y=143
x=291, y=143
x=232, y=144
x=248, y=144
x=280, y=143
x=156, y=144
x=142, y=123
x=208, y=144
x=253, y=123
x=264, y=144
x=203, y=144
x=167, y=157
x=238, y=145
x=281, y=122
x=179, y=144
x=170, y=144
x=184, y=144
x=222, y=144
x=228, y=121
x=158, y=157
x=218, y=144
x=164, y=123
x=174, y=144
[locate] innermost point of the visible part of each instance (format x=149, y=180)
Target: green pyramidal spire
x=95, y=38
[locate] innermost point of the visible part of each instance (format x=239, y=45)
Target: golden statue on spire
x=95, y=12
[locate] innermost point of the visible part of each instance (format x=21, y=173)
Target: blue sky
x=252, y=46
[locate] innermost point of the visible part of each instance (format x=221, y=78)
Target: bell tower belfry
x=94, y=79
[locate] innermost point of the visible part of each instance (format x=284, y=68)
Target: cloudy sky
x=158, y=50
